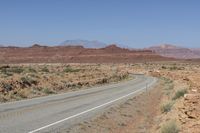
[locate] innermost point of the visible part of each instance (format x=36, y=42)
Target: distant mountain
x=84, y=43
x=173, y=51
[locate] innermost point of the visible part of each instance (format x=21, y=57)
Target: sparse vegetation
x=164, y=67
x=69, y=69
x=48, y=91
x=6, y=86
x=8, y=71
x=45, y=69
x=166, y=107
x=170, y=127
x=179, y=93
x=27, y=81
x=22, y=94
x=31, y=70
x=174, y=67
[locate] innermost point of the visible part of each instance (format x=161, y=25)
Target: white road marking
x=92, y=109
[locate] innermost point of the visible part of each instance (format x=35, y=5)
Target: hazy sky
x=137, y=23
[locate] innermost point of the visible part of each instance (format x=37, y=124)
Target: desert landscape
x=99, y=66
x=23, y=81
x=171, y=106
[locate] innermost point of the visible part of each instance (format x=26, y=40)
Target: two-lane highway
x=51, y=113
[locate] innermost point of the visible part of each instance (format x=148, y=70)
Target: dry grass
x=170, y=127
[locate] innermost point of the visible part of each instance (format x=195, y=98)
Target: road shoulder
x=134, y=115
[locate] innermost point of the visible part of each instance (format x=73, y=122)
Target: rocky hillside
x=176, y=52
x=76, y=54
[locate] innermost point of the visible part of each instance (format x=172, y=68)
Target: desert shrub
x=8, y=74
x=168, y=81
x=16, y=70
x=6, y=86
x=36, y=88
x=4, y=71
x=31, y=70
x=164, y=67
x=28, y=81
x=22, y=94
x=3, y=99
x=179, y=94
x=176, y=68
x=102, y=81
x=7, y=70
x=173, y=68
x=48, y=91
x=45, y=69
x=68, y=69
x=3, y=67
x=166, y=107
x=124, y=76
x=169, y=86
x=33, y=75
x=170, y=127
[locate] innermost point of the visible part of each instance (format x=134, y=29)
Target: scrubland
x=179, y=107
x=33, y=80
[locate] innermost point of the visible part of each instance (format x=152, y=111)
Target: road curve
x=51, y=113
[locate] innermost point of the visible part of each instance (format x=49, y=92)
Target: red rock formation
x=75, y=54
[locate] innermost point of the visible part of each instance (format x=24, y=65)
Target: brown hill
x=75, y=54
x=168, y=50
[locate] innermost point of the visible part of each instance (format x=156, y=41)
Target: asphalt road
x=52, y=113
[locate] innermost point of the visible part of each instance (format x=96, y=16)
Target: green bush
x=179, y=94
x=170, y=127
x=166, y=107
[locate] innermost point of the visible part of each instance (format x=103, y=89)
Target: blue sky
x=136, y=23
